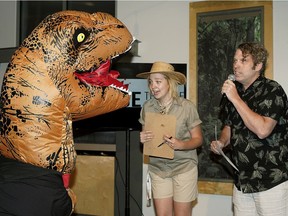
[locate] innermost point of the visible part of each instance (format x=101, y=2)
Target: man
x=255, y=124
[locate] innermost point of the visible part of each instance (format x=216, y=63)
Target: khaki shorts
x=182, y=187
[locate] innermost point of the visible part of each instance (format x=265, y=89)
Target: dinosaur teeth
x=121, y=89
x=115, y=56
x=127, y=50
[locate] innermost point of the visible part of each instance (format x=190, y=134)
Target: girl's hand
x=146, y=136
x=172, y=142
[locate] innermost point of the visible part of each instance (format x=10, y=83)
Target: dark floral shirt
x=262, y=163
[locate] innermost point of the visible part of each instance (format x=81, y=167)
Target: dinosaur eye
x=80, y=37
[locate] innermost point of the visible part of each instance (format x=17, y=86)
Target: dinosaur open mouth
x=102, y=76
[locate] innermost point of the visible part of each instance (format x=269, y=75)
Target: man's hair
x=257, y=51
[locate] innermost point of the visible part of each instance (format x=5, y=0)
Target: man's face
x=244, y=69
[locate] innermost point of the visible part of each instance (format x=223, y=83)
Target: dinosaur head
x=78, y=48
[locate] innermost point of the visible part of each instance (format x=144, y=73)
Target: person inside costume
x=60, y=74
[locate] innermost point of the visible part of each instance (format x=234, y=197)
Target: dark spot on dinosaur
x=37, y=100
x=120, y=26
x=15, y=128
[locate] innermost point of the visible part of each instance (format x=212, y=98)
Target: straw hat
x=166, y=69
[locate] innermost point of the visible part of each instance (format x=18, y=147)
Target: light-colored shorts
x=266, y=203
x=182, y=187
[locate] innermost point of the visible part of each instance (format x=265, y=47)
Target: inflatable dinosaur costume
x=59, y=74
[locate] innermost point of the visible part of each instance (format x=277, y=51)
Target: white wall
x=163, y=28
x=8, y=24
x=280, y=42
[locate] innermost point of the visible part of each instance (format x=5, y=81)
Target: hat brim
x=179, y=77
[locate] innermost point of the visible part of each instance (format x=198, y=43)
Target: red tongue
x=102, y=76
x=103, y=69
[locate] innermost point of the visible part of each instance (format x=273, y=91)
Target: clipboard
x=160, y=125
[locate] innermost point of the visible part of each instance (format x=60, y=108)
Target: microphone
x=224, y=99
x=231, y=77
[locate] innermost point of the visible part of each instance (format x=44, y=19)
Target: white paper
x=222, y=153
x=226, y=158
